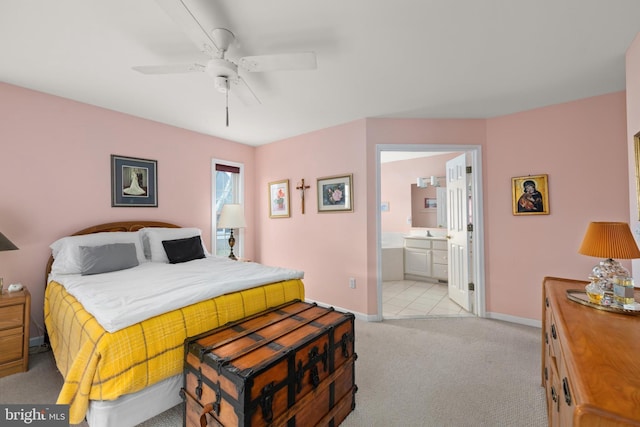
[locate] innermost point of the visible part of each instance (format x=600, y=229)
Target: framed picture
x=134, y=182
x=430, y=203
x=530, y=195
x=335, y=194
x=279, y=199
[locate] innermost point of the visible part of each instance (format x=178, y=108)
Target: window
x=228, y=178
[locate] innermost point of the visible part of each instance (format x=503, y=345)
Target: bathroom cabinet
x=425, y=258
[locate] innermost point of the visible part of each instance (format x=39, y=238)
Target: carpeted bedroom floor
x=414, y=372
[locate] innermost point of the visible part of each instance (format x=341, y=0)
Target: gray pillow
x=106, y=258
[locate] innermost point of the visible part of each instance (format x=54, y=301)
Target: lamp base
x=232, y=242
x=605, y=272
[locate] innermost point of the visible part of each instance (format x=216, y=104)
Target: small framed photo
x=134, y=182
x=335, y=193
x=530, y=195
x=430, y=203
x=279, y=199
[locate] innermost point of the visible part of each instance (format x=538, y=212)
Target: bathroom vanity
x=425, y=258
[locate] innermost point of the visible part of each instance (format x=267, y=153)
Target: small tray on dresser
x=581, y=297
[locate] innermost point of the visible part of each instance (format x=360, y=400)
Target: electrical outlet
x=352, y=282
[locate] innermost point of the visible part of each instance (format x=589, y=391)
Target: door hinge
x=472, y=287
x=470, y=227
x=468, y=169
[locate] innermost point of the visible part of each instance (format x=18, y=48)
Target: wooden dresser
x=15, y=308
x=590, y=361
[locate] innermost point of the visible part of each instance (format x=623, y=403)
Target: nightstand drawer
x=11, y=316
x=15, y=308
x=11, y=345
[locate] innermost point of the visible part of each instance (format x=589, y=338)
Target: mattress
x=102, y=366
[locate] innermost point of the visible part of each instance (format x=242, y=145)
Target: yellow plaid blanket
x=98, y=365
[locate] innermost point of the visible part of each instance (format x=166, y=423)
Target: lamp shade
x=6, y=244
x=232, y=216
x=609, y=240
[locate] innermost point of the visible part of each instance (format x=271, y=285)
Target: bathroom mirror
x=428, y=206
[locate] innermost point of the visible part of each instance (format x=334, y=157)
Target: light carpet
x=415, y=372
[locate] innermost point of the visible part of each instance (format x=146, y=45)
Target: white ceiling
x=376, y=58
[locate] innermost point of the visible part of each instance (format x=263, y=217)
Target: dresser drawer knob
x=567, y=392
x=554, y=397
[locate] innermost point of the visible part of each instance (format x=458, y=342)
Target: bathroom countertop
x=413, y=236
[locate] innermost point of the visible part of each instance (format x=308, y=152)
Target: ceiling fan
x=224, y=71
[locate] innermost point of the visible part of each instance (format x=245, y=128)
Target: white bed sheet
x=122, y=298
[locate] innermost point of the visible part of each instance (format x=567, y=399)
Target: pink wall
x=581, y=145
x=55, y=176
x=329, y=247
x=633, y=128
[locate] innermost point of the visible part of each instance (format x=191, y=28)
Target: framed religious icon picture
x=530, y=195
x=134, y=182
x=279, y=199
x=335, y=194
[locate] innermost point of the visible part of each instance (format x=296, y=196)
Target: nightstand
x=15, y=309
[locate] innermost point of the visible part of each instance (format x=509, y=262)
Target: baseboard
x=359, y=316
x=497, y=316
x=36, y=341
x=514, y=319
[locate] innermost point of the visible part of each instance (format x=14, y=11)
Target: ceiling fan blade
x=241, y=90
x=285, y=61
x=180, y=13
x=169, y=69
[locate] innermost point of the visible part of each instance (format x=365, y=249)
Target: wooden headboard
x=112, y=226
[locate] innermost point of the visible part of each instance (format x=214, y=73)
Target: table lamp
x=232, y=216
x=5, y=245
x=608, y=240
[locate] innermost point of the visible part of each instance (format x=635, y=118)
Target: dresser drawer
x=11, y=345
x=11, y=316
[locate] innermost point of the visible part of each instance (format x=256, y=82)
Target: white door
x=458, y=243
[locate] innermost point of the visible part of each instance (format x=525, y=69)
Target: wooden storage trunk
x=293, y=365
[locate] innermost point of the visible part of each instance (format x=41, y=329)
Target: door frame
x=477, y=246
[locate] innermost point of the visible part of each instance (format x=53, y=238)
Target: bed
x=117, y=323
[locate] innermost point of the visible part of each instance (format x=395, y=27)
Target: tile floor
x=410, y=299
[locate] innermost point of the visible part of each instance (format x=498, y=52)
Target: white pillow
x=152, y=238
x=67, y=258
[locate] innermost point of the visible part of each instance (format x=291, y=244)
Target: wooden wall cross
x=302, y=188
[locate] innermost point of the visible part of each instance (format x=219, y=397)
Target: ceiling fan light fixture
x=221, y=83
x=217, y=67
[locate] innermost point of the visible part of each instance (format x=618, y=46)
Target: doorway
x=476, y=259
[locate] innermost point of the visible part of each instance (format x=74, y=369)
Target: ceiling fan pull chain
x=227, y=107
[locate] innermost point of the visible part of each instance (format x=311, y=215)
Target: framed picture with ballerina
x=134, y=182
